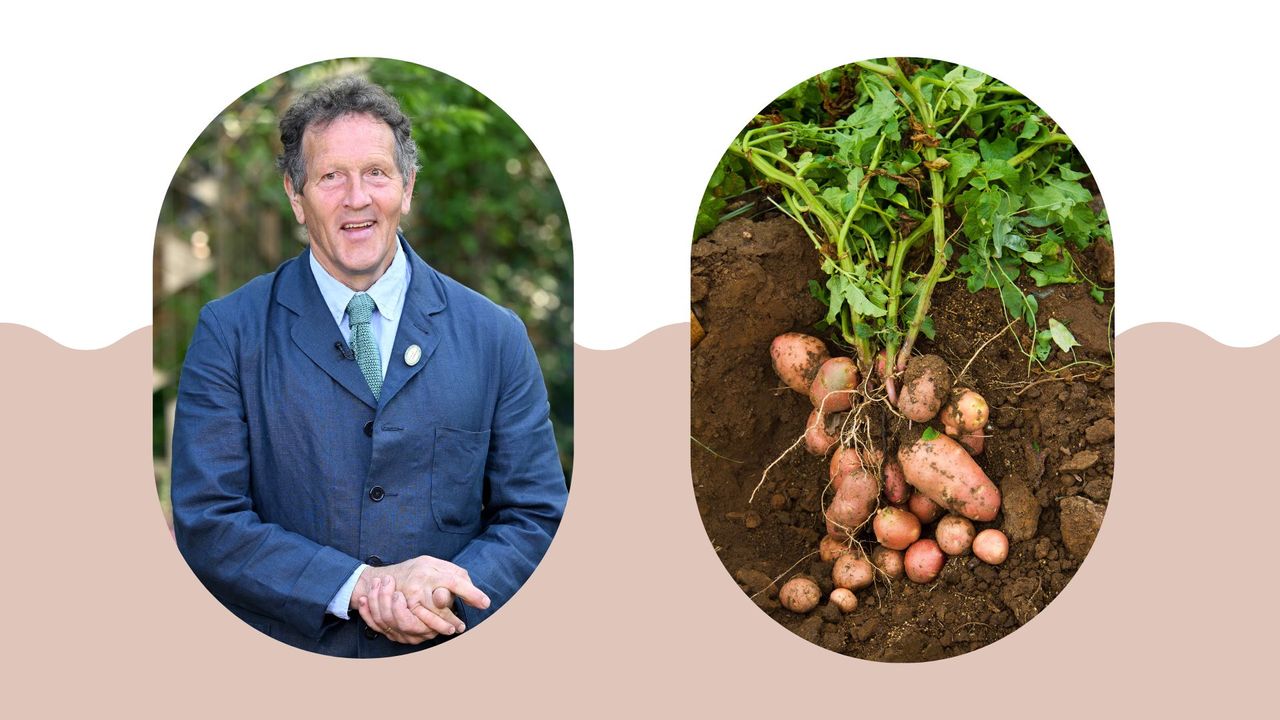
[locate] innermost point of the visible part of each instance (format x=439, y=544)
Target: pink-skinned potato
x=796, y=359
x=888, y=561
x=974, y=442
x=896, y=489
x=852, y=572
x=954, y=534
x=800, y=594
x=926, y=385
x=822, y=432
x=966, y=411
x=895, y=529
x=923, y=561
x=924, y=508
x=847, y=461
x=852, y=504
x=833, y=386
x=943, y=471
x=829, y=549
x=844, y=599
x=844, y=462
x=991, y=546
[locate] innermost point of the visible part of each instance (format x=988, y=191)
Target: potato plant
x=905, y=173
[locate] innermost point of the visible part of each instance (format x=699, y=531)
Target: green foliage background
x=486, y=211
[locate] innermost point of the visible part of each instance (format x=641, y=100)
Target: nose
x=357, y=196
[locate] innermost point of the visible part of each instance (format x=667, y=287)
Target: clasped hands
x=412, y=602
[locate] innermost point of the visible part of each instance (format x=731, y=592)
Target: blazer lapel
x=315, y=332
x=424, y=298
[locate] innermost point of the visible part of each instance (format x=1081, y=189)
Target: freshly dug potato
x=973, y=442
x=889, y=561
x=895, y=529
x=926, y=385
x=830, y=548
x=991, y=546
x=800, y=594
x=966, y=411
x=844, y=599
x=853, y=502
x=852, y=572
x=796, y=359
x=847, y=461
x=822, y=432
x=954, y=534
x=896, y=489
x=923, y=508
x=923, y=561
x=831, y=390
x=943, y=471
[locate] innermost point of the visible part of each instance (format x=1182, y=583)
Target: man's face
x=353, y=198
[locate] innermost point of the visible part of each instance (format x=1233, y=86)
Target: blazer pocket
x=457, y=478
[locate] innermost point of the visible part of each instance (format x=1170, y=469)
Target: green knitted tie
x=360, y=312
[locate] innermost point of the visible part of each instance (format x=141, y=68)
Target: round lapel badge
x=412, y=355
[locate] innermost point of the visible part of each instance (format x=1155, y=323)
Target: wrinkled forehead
x=353, y=130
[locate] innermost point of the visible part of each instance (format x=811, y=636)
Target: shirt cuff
x=340, y=605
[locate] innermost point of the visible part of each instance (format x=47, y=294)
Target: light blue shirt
x=388, y=297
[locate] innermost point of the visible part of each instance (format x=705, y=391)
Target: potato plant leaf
x=1062, y=336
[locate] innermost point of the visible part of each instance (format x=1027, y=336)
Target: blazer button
x=377, y=493
x=373, y=561
x=368, y=428
x=370, y=633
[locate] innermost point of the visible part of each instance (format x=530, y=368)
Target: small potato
x=796, y=359
x=926, y=385
x=896, y=489
x=853, y=502
x=833, y=386
x=852, y=572
x=800, y=594
x=822, y=432
x=895, y=529
x=888, y=561
x=973, y=442
x=923, y=561
x=954, y=534
x=923, y=508
x=844, y=599
x=991, y=546
x=830, y=548
x=966, y=411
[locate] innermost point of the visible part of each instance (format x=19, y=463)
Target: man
x=364, y=462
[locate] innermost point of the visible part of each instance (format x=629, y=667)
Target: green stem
x=1055, y=138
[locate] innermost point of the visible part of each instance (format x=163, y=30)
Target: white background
x=1174, y=109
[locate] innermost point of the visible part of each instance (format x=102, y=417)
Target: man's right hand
x=428, y=586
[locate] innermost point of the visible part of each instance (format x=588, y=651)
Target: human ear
x=295, y=201
x=408, y=193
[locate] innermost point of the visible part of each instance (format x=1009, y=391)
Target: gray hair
x=322, y=105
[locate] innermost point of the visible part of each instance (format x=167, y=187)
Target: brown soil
x=1051, y=450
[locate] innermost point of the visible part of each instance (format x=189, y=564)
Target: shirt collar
x=387, y=292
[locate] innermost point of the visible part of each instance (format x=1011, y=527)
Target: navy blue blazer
x=287, y=473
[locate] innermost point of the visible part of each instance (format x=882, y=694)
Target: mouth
x=355, y=226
